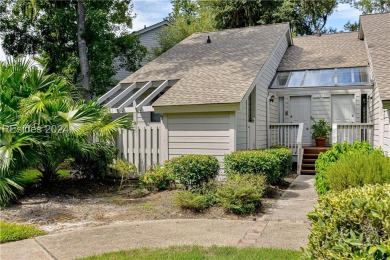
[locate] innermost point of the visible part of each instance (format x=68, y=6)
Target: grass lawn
x=197, y=252
x=13, y=232
x=31, y=175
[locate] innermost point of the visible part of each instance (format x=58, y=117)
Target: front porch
x=291, y=136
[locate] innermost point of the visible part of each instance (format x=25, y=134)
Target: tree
x=56, y=33
x=351, y=27
x=305, y=16
x=242, y=13
x=43, y=122
x=318, y=12
x=290, y=11
x=370, y=6
x=82, y=46
x=188, y=17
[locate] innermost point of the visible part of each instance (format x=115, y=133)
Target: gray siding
x=242, y=128
x=380, y=116
x=262, y=92
x=200, y=133
x=321, y=101
x=274, y=110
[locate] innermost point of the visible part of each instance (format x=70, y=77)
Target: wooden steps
x=310, y=155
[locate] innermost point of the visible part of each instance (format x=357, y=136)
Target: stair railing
x=299, y=148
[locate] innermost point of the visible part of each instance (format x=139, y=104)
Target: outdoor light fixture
x=208, y=39
x=272, y=98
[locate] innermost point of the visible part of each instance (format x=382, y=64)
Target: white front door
x=343, y=109
x=300, y=111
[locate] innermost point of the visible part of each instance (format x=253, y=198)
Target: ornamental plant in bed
x=193, y=170
x=331, y=156
x=241, y=193
x=44, y=123
x=274, y=164
x=357, y=168
x=352, y=224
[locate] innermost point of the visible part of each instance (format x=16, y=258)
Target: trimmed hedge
x=353, y=224
x=355, y=169
x=241, y=194
x=286, y=159
x=193, y=170
x=326, y=159
x=273, y=163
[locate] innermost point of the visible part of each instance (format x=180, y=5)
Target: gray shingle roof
x=327, y=51
x=220, y=72
x=376, y=30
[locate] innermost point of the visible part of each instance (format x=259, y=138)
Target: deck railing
x=352, y=132
x=289, y=135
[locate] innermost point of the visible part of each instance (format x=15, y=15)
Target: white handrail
x=290, y=135
x=300, y=148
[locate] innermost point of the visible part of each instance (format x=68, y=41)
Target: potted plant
x=321, y=130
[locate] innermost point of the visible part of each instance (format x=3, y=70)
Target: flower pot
x=320, y=141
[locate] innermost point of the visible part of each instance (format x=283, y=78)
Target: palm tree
x=42, y=122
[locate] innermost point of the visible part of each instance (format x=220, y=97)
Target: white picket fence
x=141, y=146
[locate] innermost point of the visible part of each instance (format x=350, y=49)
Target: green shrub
x=257, y=162
x=193, y=170
x=353, y=224
x=286, y=160
x=241, y=194
x=158, y=178
x=326, y=159
x=93, y=161
x=190, y=200
x=124, y=168
x=355, y=169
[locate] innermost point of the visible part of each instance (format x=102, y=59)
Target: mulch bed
x=76, y=203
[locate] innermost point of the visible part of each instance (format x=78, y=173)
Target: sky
x=153, y=11
x=149, y=12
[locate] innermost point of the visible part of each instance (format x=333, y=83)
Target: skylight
x=322, y=78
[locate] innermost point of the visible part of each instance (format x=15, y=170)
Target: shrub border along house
x=332, y=155
x=352, y=224
x=274, y=163
x=247, y=174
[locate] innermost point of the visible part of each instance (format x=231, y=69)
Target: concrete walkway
x=285, y=226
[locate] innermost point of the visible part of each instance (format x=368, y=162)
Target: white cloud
x=342, y=15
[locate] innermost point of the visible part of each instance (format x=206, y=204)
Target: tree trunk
x=82, y=47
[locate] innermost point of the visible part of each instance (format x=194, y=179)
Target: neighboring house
x=255, y=87
x=148, y=38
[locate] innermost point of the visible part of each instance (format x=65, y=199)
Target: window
x=322, y=78
x=296, y=79
x=156, y=117
x=281, y=79
x=252, y=106
x=316, y=78
x=364, y=109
